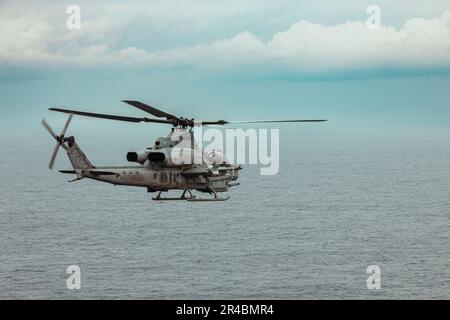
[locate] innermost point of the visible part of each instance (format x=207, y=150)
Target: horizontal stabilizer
x=102, y=173
x=68, y=171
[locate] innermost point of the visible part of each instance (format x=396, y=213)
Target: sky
x=228, y=60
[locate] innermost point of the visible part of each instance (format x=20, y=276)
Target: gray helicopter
x=159, y=169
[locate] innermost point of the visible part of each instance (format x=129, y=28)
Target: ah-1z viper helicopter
x=158, y=171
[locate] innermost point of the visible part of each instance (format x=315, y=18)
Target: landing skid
x=188, y=196
x=209, y=199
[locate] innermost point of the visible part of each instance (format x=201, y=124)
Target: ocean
x=347, y=196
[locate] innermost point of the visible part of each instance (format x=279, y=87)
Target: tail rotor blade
x=46, y=126
x=52, y=159
x=63, y=132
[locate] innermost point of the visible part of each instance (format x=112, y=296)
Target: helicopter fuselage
x=164, y=179
x=157, y=173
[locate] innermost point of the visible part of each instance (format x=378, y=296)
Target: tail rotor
x=59, y=139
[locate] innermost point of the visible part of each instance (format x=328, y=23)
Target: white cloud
x=308, y=46
x=305, y=47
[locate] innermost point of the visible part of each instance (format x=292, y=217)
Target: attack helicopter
x=159, y=168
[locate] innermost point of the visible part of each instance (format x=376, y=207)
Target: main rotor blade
x=110, y=117
x=52, y=159
x=224, y=122
x=275, y=121
x=149, y=109
x=218, y=122
x=46, y=126
x=63, y=132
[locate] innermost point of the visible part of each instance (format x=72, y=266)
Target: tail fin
x=77, y=156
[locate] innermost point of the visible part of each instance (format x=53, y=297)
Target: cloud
x=305, y=47
x=310, y=47
x=352, y=46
